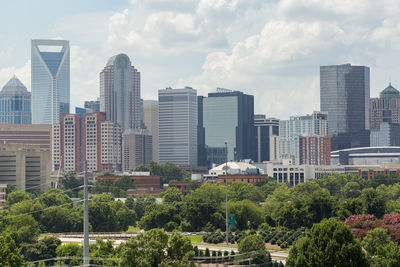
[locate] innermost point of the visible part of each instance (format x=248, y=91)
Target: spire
x=14, y=85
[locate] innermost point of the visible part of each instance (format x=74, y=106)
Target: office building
x=25, y=166
x=137, y=148
x=388, y=134
x=229, y=116
x=201, y=135
x=50, y=77
x=29, y=134
x=94, y=106
x=15, y=103
x=177, y=126
x=267, y=138
x=345, y=92
x=120, y=92
x=150, y=116
x=299, y=130
x=385, y=108
x=87, y=137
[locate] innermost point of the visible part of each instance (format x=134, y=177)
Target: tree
x=329, y=243
x=348, y=207
x=141, y=203
x=167, y=172
x=54, y=197
x=374, y=202
x=255, y=243
x=70, y=250
x=17, y=196
x=23, y=229
x=43, y=249
x=351, y=190
x=171, y=195
x=375, y=238
x=179, y=247
x=125, y=183
x=247, y=214
x=160, y=216
x=69, y=181
x=387, y=256
x=10, y=255
x=238, y=191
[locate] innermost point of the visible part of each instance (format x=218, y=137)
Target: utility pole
x=226, y=192
x=86, y=259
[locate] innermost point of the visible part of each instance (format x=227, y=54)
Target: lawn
x=133, y=229
x=195, y=238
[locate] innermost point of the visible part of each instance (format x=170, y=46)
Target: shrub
x=284, y=245
x=273, y=241
x=207, y=254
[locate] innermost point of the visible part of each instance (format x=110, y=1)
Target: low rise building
x=366, y=155
x=3, y=194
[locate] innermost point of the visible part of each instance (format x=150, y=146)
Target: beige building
x=3, y=194
x=137, y=146
x=33, y=134
x=150, y=109
x=25, y=166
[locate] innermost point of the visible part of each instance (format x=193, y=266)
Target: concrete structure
x=254, y=179
x=3, y=194
x=86, y=137
x=15, y=103
x=229, y=116
x=25, y=166
x=366, y=155
x=235, y=168
x=120, y=92
x=137, y=148
x=303, y=139
x=94, y=106
x=386, y=108
x=345, y=92
x=50, y=76
x=177, y=120
x=144, y=182
x=33, y=134
x=150, y=110
x=267, y=138
x=388, y=134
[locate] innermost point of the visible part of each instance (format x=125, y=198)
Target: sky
x=269, y=48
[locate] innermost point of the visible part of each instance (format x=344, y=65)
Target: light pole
x=86, y=260
x=226, y=191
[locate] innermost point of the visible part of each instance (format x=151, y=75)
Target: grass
x=195, y=238
x=133, y=229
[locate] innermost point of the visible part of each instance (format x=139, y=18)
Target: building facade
x=120, y=92
x=229, y=116
x=366, y=155
x=388, y=134
x=177, y=126
x=15, y=103
x=88, y=137
x=344, y=95
x=313, y=150
x=30, y=134
x=385, y=108
x=150, y=110
x=25, y=166
x=137, y=148
x=94, y=106
x=50, y=79
x=267, y=138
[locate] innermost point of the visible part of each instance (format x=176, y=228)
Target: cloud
x=23, y=73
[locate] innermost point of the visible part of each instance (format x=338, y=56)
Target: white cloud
x=23, y=73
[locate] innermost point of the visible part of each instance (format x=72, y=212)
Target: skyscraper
x=120, y=92
x=345, y=91
x=150, y=110
x=177, y=120
x=267, y=138
x=50, y=76
x=137, y=148
x=93, y=105
x=386, y=108
x=229, y=115
x=15, y=103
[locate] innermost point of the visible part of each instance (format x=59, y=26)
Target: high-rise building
x=15, y=103
x=150, y=110
x=312, y=125
x=267, y=138
x=345, y=92
x=229, y=116
x=29, y=134
x=201, y=135
x=50, y=77
x=385, y=108
x=177, y=126
x=388, y=134
x=313, y=150
x=80, y=137
x=137, y=148
x=93, y=105
x=120, y=92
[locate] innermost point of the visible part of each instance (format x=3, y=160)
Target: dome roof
x=390, y=90
x=14, y=85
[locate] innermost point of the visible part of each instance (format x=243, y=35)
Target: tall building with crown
x=385, y=108
x=50, y=78
x=15, y=103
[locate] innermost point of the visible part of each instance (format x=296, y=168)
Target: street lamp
x=226, y=191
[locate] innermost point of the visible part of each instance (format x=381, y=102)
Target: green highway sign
x=231, y=220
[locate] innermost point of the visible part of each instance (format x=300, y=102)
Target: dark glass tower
x=201, y=146
x=229, y=115
x=344, y=94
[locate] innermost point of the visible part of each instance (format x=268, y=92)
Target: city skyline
x=281, y=74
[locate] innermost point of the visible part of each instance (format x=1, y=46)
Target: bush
x=207, y=254
x=273, y=241
x=284, y=245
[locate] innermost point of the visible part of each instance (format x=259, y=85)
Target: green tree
x=70, y=250
x=54, y=197
x=348, y=207
x=69, y=181
x=247, y=214
x=375, y=238
x=141, y=203
x=17, y=196
x=10, y=255
x=351, y=190
x=387, y=256
x=329, y=243
x=23, y=229
x=238, y=191
x=44, y=249
x=171, y=195
x=374, y=202
x=255, y=244
x=60, y=220
x=179, y=247
x=125, y=183
x=160, y=216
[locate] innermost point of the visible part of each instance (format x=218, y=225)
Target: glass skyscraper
x=229, y=115
x=15, y=103
x=50, y=76
x=120, y=92
x=344, y=94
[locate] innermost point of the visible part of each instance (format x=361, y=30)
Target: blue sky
x=269, y=48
